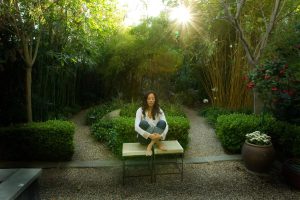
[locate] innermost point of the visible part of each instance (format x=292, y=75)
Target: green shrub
x=231, y=129
x=51, y=140
x=211, y=113
x=129, y=110
x=172, y=110
x=121, y=130
x=286, y=138
x=96, y=113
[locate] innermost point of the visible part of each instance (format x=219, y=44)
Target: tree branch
x=239, y=6
x=265, y=37
x=236, y=24
x=36, y=49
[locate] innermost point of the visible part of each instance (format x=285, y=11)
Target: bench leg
x=150, y=162
x=124, y=171
x=181, y=167
x=154, y=168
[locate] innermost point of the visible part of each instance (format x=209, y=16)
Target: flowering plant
x=258, y=138
x=275, y=83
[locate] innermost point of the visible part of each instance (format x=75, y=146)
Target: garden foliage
x=278, y=88
x=96, y=113
x=212, y=113
x=119, y=130
x=51, y=140
x=232, y=129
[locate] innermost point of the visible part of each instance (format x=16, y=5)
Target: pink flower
x=245, y=78
x=267, y=77
x=250, y=85
x=282, y=72
x=274, y=88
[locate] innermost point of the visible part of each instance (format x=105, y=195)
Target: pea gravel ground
x=212, y=180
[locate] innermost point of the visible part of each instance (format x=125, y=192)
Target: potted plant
x=258, y=152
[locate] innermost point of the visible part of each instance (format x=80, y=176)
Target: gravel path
x=86, y=147
x=212, y=180
x=219, y=180
x=203, y=140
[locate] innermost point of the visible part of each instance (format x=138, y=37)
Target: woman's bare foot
x=149, y=153
x=149, y=148
x=161, y=146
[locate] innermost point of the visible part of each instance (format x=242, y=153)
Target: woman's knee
x=144, y=124
x=161, y=124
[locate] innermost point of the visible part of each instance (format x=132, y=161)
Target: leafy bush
x=96, y=113
x=172, y=110
x=232, y=129
x=212, y=113
x=121, y=130
x=279, y=89
x=129, y=110
x=285, y=138
x=51, y=140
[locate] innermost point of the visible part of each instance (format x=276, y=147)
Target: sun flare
x=180, y=14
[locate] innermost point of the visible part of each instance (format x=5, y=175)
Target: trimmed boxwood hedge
x=129, y=110
x=211, y=113
x=231, y=129
x=51, y=140
x=120, y=130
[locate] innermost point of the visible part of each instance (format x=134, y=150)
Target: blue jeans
x=159, y=128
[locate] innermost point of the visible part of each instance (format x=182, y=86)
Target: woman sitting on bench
x=150, y=123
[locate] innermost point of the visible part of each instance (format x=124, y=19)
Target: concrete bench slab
x=133, y=149
x=172, y=147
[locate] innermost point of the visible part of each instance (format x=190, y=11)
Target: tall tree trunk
x=28, y=93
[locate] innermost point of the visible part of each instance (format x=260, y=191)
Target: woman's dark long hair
x=155, y=109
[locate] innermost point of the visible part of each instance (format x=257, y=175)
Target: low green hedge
x=129, y=110
x=120, y=130
x=97, y=112
x=231, y=129
x=211, y=113
x=51, y=141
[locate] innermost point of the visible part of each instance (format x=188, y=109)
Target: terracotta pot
x=258, y=158
x=291, y=172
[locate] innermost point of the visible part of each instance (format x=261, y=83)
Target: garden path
x=203, y=140
x=86, y=147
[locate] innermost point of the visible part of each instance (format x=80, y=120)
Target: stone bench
x=19, y=184
x=172, y=148
x=131, y=150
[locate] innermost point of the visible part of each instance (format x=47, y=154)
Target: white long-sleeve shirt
x=139, y=116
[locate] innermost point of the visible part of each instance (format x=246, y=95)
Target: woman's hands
x=155, y=136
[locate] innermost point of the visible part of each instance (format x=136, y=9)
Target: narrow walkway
x=203, y=140
x=87, y=147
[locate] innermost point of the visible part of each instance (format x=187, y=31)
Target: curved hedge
x=51, y=140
